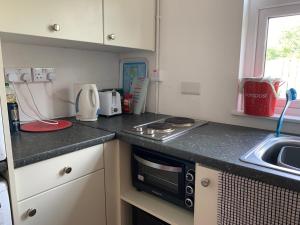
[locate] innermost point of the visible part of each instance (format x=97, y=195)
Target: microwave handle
x=157, y=166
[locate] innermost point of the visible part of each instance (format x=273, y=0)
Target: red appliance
x=260, y=96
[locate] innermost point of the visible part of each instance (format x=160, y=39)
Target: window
x=272, y=44
x=282, y=58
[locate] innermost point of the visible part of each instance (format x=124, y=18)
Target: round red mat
x=38, y=126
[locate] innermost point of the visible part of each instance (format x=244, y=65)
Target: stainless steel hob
x=165, y=129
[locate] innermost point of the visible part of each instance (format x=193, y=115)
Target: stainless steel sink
x=266, y=153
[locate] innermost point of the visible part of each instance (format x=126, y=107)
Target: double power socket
x=29, y=75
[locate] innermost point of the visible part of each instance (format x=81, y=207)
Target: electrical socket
x=43, y=74
x=39, y=75
x=18, y=75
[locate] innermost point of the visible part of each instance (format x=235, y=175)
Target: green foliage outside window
x=289, y=45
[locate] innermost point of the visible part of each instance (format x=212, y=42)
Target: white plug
x=18, y=75
x=26, y=77
x=51, y=76
x=12, y=77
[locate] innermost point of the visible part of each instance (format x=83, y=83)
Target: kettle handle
x=77, y=101
x=94, y=91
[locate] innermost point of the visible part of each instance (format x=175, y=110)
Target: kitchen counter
x=29, y=148
x=215, y=145
x=121, y=122
x=219, y=146
x=3, y=166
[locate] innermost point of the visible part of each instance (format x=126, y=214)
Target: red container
x=260, y=97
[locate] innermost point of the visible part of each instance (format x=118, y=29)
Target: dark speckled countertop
x=214, y=145
x=121, y=122
x=29, y=148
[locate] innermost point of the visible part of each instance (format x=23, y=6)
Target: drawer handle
x=205, y=182
x=67, y=170
x=55, y=27
x=31, y=212
x=111, y=37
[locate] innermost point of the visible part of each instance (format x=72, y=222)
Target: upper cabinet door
x=130, y=23
x=79, y=20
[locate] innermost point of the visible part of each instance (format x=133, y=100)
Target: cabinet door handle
x=31, y=212
x=55, y=27
x=111, y=37
x=205, y=182
x=67, y=170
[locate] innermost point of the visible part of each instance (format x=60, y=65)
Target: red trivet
x=38, y=126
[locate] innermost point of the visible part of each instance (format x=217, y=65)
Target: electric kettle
x=86, y=102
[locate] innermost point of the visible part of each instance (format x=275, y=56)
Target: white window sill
x=290, y=119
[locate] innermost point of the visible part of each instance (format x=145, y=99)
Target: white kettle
x=87, y=102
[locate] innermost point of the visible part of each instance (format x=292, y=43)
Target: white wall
x=200, y=42
x=72, y=66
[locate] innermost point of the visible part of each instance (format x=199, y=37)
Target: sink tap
x=291, y=95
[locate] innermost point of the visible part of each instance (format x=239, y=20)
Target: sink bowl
x=289, y=157
x=279, y=153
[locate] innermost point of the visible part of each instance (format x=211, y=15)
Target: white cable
x=17, y=98
x=60, y=98
x=40, y=115
x=23, y=111
x=157, y=59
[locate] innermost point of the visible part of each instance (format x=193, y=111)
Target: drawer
x=44, y=175
x=78, y=202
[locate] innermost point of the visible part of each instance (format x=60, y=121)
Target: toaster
x=110, y=103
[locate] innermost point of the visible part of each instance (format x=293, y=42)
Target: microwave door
x=158, y=166
x=159, y=176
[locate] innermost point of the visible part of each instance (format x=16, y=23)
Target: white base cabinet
x=206, y=196
x=51, y=173
x=79, y=202
x=65, y=190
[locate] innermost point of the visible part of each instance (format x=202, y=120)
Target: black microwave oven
x=167, y=177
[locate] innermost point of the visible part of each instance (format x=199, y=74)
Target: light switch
x=190, y=88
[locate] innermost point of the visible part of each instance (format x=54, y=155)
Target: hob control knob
x=189, y=202
x=190, y=175
x=189, y=190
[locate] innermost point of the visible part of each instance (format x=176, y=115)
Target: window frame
x=255, y=32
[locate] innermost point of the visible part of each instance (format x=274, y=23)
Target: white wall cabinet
x=130, y=23
x=123, y=23
x=78, y=202
x=77, y=19
x=206, y=196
